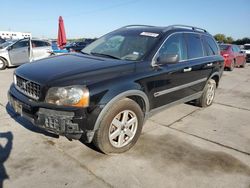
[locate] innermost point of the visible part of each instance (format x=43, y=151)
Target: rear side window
x=211, y=45
x=194, y=45
x=175, y=45
x=37, y=43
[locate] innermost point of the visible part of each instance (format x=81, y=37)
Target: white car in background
x=246, y=49
x=15, y=53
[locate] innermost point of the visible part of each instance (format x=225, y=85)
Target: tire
x=2, y=64
x=115, y=121
x=208, y=94
x=231, y=68
x=243, y=65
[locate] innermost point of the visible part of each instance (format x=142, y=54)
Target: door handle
x=210, y=64
x=187, y=69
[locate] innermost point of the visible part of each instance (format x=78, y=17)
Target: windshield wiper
x=105, y=55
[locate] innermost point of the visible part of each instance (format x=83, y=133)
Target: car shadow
x=4, y=154
x=26, y=124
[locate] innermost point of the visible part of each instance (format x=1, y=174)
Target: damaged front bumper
x=69, y=122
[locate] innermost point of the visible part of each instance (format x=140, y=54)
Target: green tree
x=220, y=38
x=229, y=40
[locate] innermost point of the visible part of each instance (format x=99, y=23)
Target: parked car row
x=233, y=56
x=18, y=52
x=78, y=46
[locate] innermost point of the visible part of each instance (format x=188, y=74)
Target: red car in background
x=233, y=56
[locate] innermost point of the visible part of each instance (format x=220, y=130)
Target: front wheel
x=208, y=94
x=120, y=127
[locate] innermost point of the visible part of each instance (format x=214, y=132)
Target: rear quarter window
x=194, y=45
x=211, y=45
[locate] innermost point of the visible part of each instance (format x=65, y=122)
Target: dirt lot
x=183, y=146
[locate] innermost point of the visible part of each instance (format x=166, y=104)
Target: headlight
x=68, y=96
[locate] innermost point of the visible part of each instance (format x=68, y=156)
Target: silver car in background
x=15, y=53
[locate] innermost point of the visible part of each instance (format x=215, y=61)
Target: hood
x=73, y=67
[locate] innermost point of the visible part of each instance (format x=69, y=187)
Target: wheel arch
x=216, y=77
x=136, y=95
x=3, y=58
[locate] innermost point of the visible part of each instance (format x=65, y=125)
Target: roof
x=160, y=29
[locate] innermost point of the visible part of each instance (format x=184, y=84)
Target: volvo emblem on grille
x=24, y=85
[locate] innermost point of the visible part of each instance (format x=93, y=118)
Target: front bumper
x=67, y=121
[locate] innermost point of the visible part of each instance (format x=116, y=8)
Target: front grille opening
x=28, y=88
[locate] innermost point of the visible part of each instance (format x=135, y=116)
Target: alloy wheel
x=210, y=93
x=123, y=128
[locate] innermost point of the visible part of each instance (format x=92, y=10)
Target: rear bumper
x=67, y=121
x=228, y=62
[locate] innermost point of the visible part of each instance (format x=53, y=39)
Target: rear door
x=173, y=82
x=40, y=49
x=19, y=53
x=240, y=55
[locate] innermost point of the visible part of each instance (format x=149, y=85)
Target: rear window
x=194, y=44
x=223, y=47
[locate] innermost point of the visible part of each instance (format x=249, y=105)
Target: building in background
x=14, y=35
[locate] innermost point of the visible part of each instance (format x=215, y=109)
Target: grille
x=27, y=87
x=248, y=56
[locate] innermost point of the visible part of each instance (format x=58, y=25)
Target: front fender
x=113, y=97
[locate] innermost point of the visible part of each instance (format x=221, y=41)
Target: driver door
x=19, y=53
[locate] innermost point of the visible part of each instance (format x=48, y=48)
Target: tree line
x=221, y=38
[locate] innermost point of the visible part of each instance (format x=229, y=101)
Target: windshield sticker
x=149, y=34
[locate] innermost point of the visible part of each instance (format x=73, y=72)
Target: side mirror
x=168, y=59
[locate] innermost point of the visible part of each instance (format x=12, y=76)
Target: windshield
x=129, y=45
x=6, y=44
x=223, y=47
x=246, y=47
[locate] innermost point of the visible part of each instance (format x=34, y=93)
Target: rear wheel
x=243, y=65
x=208, y=94
x=2, y=64
x=120, y=127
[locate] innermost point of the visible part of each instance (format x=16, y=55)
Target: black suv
x=104, y=94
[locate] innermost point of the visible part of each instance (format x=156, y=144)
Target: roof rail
x=186, y=26
x=129, y=26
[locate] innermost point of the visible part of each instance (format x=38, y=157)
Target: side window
x=212, y=45
x=236, y=49
x=175, y=44
x=21, y=44
x=195, y=49
x=37, y=43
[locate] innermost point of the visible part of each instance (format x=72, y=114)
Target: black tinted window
x=194, y=46
x=21, y=44
x=37, y=43
x=175, y=45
